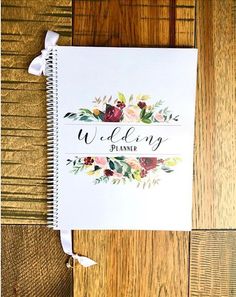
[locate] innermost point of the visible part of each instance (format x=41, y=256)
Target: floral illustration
x=117, y=170
x=122, y=109
x=145, y=171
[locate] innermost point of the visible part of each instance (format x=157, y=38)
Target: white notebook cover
x=137, y=108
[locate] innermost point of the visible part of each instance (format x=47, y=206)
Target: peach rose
x=101, y=161
x=159, y=117
x=134, y=164
x=132, y=114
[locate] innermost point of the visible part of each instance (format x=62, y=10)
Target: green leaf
x=86, y=110
x=119, y=158
x=126, y=167
x=121, y=97
x=111, y=164
x=70, y=115
x=101, y=116
x=84, y=118
x=148, y=115
x=146, y=121
x=142, y=113
x=117, y=167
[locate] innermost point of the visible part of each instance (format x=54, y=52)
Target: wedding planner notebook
x=120, y=137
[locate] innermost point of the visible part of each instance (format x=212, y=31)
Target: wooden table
x=138, y=263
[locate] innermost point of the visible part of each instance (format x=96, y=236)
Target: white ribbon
x=37, y=66
x=66, y=242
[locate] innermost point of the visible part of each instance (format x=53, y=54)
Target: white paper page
x=150, y=186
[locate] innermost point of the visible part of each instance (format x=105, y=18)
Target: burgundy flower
x=148, y=163
x=108, y=172
x=120, y=104
x=88, y=161
x=112, y=114
x=143, y=173
x=142, y=104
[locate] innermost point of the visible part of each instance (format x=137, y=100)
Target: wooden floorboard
x=33, y=263
x=133, y=263
x=213, y=264
x=24, y=24
x=214, y=201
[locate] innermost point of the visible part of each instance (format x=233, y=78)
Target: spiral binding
x=52, y=137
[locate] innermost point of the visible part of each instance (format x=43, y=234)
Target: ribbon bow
x=37, y=66
x=66, y=242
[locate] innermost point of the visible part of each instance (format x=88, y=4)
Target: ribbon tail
x=51, y=38
x=36, y=66
x=66, y=242
x=84, y=261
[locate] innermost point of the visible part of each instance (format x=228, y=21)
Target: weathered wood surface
x=33, y=263
x=214, y=203
x=133, y=263
x=24, y=24
x=213, y=264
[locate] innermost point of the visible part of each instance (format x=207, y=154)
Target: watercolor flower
x=112, y=114
x=148, y=163
x=108, y=172
x=142, y=105
x=143, y=173
x=88, y=161
x=120, y=104
x=96, y=111
x=132, y=114
x=134, y=164
x=159, y=117
x=101, y=161
x=122, y=169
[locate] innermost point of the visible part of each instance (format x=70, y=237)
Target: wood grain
x=214, y=203
x=213, y=264
x=24, y=24
x=33, y=263
x=133, y=263
x=144, y=23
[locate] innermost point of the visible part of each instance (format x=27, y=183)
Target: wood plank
x=33, y=263
x=213, y=264
x=24, y=24
x=144, y=23
x=133, y=263
x=214, y=203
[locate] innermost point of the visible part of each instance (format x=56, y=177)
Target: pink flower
x=101, y=161
x=159, y=117
x=131, y=114
x=133, y=163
